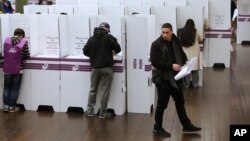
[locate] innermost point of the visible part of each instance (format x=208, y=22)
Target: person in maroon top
x=16, y=51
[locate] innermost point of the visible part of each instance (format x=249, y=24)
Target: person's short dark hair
x=106, y=25
x=19, y=32
x=167, y=25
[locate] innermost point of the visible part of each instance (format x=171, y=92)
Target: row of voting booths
x=58, y=74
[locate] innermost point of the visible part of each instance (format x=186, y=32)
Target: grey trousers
x=101, y=80
x=195, y=78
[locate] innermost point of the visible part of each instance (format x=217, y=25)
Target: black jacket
x=100, y=48
x=162, y=61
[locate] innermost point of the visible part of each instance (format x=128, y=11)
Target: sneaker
x=89, y=112
x=14, y=109
x=161, y=132
x=104, y=114
x=191, y=128
x=6, y=108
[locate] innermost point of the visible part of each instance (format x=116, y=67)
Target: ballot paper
x=186, y=69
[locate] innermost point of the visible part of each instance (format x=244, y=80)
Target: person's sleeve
x=25, y=52
x=115, y=44
x=155, y=58
x=85, y=49
x=183, y=56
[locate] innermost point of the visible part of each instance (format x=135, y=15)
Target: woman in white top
x=190, y=39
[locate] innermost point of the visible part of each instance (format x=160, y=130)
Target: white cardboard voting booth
x=176, y=3
x=160, y=18
x=35, y=9
x=86, y=10
x=204, y=4
x=88, y=2
x=140, y=30
x=132, y=2
x=9, y=22
x=110, y=2
x=112, y=10
x=117, y=100
x=154, y=2
x=243, y=21
x=145, y=10
x=67, y=2
x=66, y=9
x=44, y=63
x=74, y=67
x=218, y=36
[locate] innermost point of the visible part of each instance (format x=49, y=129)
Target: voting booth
x=45, y=62
x=140, y=31
x=168, y=16
x=61, y=9
x=218, y=36
x=67, y=2
x=74, y=66
x=154, y=2
x=36, y=9
x=130, y=10
x=110, y=3
x=176, y=3
x=9, y=22
x=86, y=10
x=112, y=10
x=117, y=100
x=88, y=2
x=132, y=2
x=243, y=21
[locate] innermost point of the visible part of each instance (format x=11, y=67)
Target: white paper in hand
x=185, y=70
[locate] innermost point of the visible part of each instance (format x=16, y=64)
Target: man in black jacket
x=167, y=57
x=100, y=48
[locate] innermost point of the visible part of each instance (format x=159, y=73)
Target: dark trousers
x=12, y=83
x=164, y=91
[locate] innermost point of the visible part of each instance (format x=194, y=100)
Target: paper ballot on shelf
x=185, y=70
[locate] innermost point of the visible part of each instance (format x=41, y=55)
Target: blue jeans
x=12, y=84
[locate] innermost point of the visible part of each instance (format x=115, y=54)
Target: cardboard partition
x=132, y=2
x=112, y=10
x=176, y=3
x=110, y=3
x=66, y=2
x=55, y=9
x=44, y=33
x=164, y=14
x=88, y=2
x=86, y=10
x=138, y=64
x=36, y=9
x=155, y=2
x=144, y=10
x=74, y=34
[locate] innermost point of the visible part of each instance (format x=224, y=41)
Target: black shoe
x=161, y=132
x=191, y=128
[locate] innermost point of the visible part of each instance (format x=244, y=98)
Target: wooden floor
x=224, y=99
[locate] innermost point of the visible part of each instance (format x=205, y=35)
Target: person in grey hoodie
x=16, y=51
x=101, y=48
